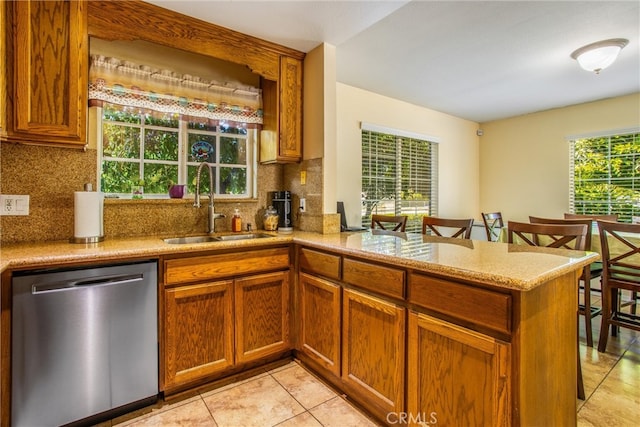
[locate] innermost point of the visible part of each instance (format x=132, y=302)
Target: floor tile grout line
x=300, y=403
x=208, y=409
x=608, y=372
x=335, y=395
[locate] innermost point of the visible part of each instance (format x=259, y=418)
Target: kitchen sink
x=192, y=239
x=222, y=238
x=228, y=237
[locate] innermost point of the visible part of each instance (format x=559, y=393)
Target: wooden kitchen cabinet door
x=320, y=312
x=373, y=342
x=281, y=139
x=290, y=107
x=49, y=59
x=198, y=332
x=456, y=376
x=262, y=316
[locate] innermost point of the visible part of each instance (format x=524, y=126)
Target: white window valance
x=126, y=83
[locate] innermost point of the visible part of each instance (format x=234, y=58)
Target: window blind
x=605, y=175
x=399, y=177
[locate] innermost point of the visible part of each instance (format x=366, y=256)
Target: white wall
x=524, y=160
x=459, y=175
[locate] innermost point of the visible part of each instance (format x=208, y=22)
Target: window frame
x=402, y=206
x=184, y=160
x=609, y=204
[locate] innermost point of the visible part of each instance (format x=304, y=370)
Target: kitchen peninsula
x=478, y=333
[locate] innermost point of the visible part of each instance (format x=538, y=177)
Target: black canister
x=281, y=201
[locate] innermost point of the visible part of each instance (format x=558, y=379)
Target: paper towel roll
x=88, y=207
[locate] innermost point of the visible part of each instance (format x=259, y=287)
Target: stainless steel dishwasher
x=84, y=342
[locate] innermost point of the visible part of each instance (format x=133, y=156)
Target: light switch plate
x=14, y=205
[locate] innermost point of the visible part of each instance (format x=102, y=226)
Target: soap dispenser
x=236, y=221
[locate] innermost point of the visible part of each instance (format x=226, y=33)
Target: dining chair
x=492, y=224
x=461, y=227
x=621, y=271
x=569, y=236
x=389, y=222
x=596, y=267
x=605, y=217
x=585, y=309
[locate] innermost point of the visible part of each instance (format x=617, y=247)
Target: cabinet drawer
x=194, y=269
x=479, y=306
x=376, y=278
x=324, y=264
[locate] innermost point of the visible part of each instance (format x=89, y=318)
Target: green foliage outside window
x=396, y=177
x=606, y=175
x=142, y=145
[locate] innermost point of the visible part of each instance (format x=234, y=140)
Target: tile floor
x=291, y=396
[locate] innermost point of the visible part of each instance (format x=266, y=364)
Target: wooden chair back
x=462, y=227
x=610, y=217
x=570, y=236
x=492, y=225
x=389, y=222
x=621, y=271
x=558, y=221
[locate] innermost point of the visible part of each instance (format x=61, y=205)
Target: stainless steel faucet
x=212, y=216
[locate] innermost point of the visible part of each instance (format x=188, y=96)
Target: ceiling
x=477, y=60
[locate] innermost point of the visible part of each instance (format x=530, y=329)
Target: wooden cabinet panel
x=193, y=269
x=377, y=278
x=137, y=20
x=50, y=63
x=324, y=264
x=281, y=137
x=373, y=346
x=6, y=75
x=198, y=332
x=262, y=316
x=479, y=306
x=456, y=376
x=290, y=83
x=319, y=313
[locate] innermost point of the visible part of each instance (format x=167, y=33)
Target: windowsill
x=204, y=200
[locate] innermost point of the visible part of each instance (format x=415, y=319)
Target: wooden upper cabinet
x=281, y=139
x=48, y=55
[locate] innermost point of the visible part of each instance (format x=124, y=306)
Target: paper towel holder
x=91, y=239
x=94, y=239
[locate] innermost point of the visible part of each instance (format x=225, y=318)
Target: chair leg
x=587, y=312
x=606, y=314
x=615, y=307
x=580, y=384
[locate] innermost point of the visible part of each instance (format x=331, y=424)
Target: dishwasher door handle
x=69, y=285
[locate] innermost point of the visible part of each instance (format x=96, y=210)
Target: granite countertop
x=504, y=265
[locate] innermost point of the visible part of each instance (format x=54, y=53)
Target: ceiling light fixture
x=599, y=55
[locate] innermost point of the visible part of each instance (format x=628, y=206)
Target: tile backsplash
x=51, y=175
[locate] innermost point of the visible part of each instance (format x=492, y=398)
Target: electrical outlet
x=303, y=204
x=11, y=204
